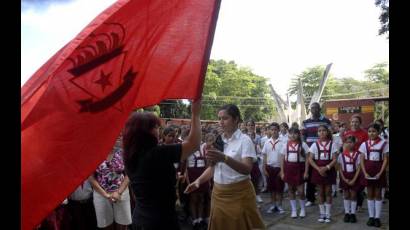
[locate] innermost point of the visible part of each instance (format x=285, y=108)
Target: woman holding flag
x=151, y=170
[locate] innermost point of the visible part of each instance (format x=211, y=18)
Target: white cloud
x=45, y=31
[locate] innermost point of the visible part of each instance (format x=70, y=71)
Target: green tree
x=226, y=82
x=378, y=73
x=384, y=16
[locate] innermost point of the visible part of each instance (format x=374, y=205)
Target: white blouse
x=315, y=152
x=374, y=155
x=239, y=146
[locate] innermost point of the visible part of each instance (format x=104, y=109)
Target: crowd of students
x=319, y=155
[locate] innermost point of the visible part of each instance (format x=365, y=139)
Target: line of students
x=360, y=164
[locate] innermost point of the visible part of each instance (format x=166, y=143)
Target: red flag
x=134, y=54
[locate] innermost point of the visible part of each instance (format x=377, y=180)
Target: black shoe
x=377, y=222
x=347, y=218
x=370, y=222
x=353, y=218
x=204, y=225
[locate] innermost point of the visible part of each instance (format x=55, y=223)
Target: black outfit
x=83, y=214
x=153, y=182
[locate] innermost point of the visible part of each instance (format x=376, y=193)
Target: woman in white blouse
x=233, y=197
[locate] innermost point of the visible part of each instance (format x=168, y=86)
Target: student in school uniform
x=374, y=160
x=256, y=174
x=233, y=205
x=361, y=136
x=196, y=165
x=349, y=174
x=294, y=169
x=384, y=134
x=322, y=158
x=271, y=167
x=284, y=130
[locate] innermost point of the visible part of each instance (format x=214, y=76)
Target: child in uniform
x=349, y=173
x=271, y=167
x=374, y=160
x=322, y=157
x=294, y=169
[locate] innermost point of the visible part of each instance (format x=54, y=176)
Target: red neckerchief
x=376, y=141
x=349, y=155
x=325, y=150
x=293, y=145
x=274, y=144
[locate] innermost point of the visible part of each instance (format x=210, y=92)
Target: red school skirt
x=330, y=177
x=193, y=174
x=349, y=175
x=275, y=183
x=372, y=168
x=294, y=172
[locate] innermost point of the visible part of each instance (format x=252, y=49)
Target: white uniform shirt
x=284, y=137
x=191, y=160
x=337, y=140
x=349, y=167
x=328, y=156
x=263, y=140
x=272, y=151
x=293, y=157
x=237, y=147
x=83, y=192
x=374, y=156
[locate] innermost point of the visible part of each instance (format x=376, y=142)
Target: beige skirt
x=233, y=206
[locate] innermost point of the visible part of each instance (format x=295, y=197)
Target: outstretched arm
x=193, y=141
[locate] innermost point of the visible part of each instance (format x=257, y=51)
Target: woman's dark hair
x=375, y=126
x=329, y=133
x=351, y=138
x=250, y=121
x=137, y=137
x=358, y=118
x=168, y=130
x=233, y=111
x=380, y=121
x=298, y=140
x=284, y=124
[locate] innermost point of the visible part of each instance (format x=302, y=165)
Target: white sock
x=378, y=204
x=322, y=209
x=334, y=188
x=302, y=204
x=370, y=206
x=195, y=221
x=353, y=207
x=347, y=206
x=327, y=209
x=293, y=205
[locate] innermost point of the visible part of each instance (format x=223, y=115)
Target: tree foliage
x=378, y=73
x=376, y=84
x=384, y=16
x=226, y=82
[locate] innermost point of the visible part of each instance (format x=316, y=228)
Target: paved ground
x=285, y=222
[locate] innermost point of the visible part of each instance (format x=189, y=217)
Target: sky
x=275, y=39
